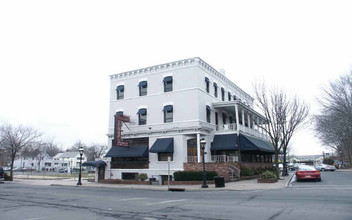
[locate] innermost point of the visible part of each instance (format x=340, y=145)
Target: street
x=329, y=199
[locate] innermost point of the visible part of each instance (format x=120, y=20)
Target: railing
x=226, y=127
x=193, y=159
x=224, y=158
x=235, y=173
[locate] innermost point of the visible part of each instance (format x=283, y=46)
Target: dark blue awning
x=143, y=84
x=206, y=79
x=168, y=108
x=224, y=142
x=98, y=163
x=142, y=111
x=248, y=143
x=120, y=88
x=163, y=145
x=133, y=151
x=168, y=79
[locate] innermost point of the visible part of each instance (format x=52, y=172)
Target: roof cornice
x=196, y=61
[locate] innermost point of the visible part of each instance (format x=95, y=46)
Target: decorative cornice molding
x=196, y=61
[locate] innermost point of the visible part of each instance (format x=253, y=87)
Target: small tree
x=15, y=138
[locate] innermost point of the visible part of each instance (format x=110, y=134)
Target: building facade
x=169, y=109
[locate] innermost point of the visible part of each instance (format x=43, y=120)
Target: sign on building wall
x=119, y=120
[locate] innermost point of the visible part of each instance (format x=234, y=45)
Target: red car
x=305, y=172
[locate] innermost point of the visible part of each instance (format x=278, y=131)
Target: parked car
x=325, y=167
x=63, y=170
x=305, y=172
x=2, y=175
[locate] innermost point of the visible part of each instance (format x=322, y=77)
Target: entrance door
x=101, y=173
x=192, y=150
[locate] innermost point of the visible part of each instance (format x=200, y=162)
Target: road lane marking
x=168, y=201
x=131, y=199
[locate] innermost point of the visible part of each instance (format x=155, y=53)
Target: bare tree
x=51, y=148
x=333, y=125
x=284, y=117
x=15, y=138
x=96, y=151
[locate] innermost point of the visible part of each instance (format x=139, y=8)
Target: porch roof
x=132, y=151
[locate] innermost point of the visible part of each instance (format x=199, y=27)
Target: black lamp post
x=202, y=146
x=80, y=166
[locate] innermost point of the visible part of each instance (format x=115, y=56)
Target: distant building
x=307, y=159
x=68, y=160
x=31, y=162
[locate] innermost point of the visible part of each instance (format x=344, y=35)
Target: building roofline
x=182, y=63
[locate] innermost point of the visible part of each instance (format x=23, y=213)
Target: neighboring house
x=68, y=160
x=167, y=109
x=307, y=159
x=36, y=163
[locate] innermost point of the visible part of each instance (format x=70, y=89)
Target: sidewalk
x=239, y=185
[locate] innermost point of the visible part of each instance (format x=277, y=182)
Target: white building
x=68, y=160
x=171, y=108
x=28, y=162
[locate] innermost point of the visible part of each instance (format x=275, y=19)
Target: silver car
x=325, y=167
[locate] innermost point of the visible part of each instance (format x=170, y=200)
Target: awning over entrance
x=224, y=142
x=163, y=145
x=248, y=143
x=132, y=151
x=98, y=163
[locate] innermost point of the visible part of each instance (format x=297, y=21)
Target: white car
x=325, y=167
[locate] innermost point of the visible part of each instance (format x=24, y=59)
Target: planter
x=267, y=180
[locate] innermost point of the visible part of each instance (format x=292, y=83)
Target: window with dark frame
x=216, y=118
x=229, y=96
x=142, y=116
x=208, y=113
x=222, y=94
x=120, y=90
x=164, y=156
x=224, y=118
x=143, y=87
x=207, y=84
x=168, y=113
x=215, y=90
x=167, y=84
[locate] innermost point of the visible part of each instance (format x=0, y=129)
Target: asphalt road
x=329, y=199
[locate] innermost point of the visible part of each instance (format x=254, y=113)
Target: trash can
x=219, y=181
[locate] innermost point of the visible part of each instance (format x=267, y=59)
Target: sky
x=56, y=56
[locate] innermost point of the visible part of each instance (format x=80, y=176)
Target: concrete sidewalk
x=239, y=185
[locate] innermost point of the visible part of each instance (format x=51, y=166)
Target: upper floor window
x=222, y=94
x=216, y=118
x=208, y=110
x=231, y=119
x=167, y=84
x=142, y=116
x=207, y=84
x=234, y=98
x=143, y=88
x=215, y=89
x=168, y=113
x=229, y=96
x=120, y=90
x=224, y=118
x=165, y=156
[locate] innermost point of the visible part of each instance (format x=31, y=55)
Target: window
x=224, y=118
x=216, y=118
x=234, y=98
x=222, y=94
x=120, y=90
x=142, y=116
x=143, y=88
x=164, y=156
x=215, y=89
x=167, y=84
x=208, y=110
x=168, y=113
x=229, y=96
x=207, y=84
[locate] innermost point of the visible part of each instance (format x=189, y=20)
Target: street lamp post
x=80, y=166
x=202, y=146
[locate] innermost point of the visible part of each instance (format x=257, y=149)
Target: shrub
x=193, y=175
x=268, y=175
x=245, y=171
x=328, y=161
x=142, y=176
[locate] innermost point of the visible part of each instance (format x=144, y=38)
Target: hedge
x=193, y=175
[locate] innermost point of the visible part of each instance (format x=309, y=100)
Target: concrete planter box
x=267, y=180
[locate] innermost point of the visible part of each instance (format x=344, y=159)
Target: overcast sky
x=56, y=56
